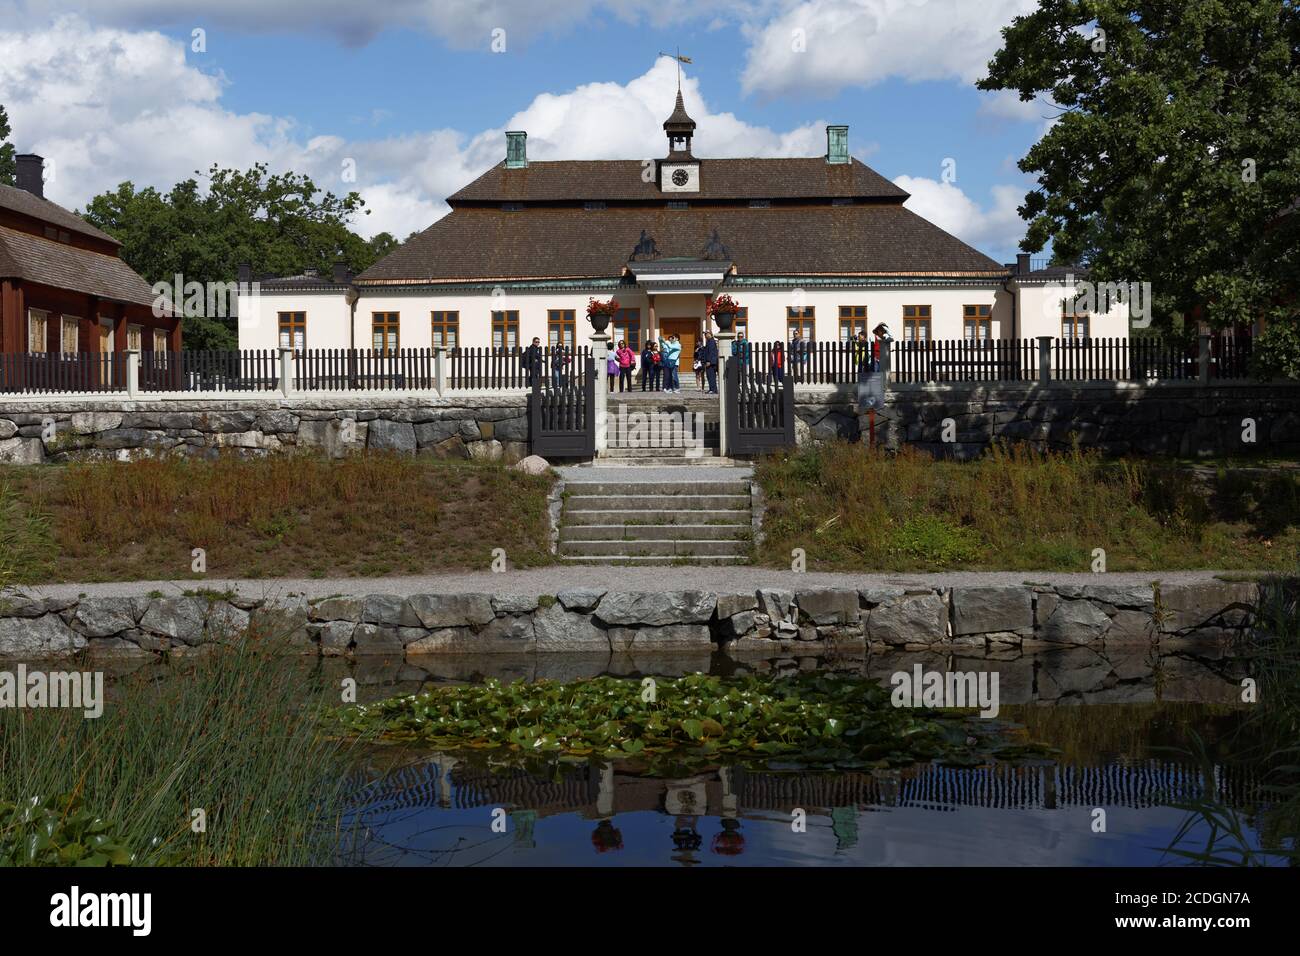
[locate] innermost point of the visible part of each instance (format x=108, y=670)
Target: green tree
x=8, y=165
x=1176, y=156
x=281, y=223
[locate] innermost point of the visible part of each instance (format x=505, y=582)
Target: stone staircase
x=654, y=429
x=657, y=519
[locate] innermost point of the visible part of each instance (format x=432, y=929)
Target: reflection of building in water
x=599, y=793
x=687, y=839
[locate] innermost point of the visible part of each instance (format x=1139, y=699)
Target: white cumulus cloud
x=106, y=104
x=995, y=228
x=823, y=46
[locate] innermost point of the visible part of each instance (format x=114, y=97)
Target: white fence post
x=1044, y=358
x=440, y=369
x=286, y=372
x=132, y=373
x=600, y=352
x=724, y=340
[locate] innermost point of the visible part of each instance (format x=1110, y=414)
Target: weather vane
x=680, y=60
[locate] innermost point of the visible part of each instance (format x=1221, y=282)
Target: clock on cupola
x=680, y=172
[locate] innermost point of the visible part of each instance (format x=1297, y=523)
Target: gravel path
x=549, y=580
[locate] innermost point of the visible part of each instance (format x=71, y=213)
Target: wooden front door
x=689, y=331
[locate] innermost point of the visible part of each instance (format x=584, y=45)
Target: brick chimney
x=342, y=274
x=1022, y=264
x=31, y=174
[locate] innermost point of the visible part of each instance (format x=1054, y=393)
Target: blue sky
x=416, y=98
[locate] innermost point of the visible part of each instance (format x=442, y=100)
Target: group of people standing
x=658, y=363
x=658, y=366
x=534, y=362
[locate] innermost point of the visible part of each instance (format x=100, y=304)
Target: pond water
x=1138, y=730
x=1125, y=726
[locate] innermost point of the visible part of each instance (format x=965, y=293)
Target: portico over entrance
x=685, y=280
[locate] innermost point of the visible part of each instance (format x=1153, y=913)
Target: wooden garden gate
x=562, y=403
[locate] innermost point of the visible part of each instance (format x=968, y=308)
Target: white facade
x=327, y=319
x=1014, y=310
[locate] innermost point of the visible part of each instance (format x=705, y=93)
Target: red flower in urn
x=599, y=313
x=723, y=310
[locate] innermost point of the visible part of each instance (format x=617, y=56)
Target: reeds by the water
x=220, y=761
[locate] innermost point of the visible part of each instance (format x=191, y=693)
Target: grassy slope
x=271, y=517
x=854, y=509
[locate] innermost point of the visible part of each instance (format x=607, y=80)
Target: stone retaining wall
x=596, y=620
x=486, y=427
x=1176, y=419
x=1124, y=417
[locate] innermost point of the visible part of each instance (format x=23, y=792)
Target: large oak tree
x=281, y=223
x=1176, y=155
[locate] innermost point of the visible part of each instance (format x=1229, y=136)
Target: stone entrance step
x=656, y=521
x=637, y=501
x=639, y=489
x=632, y=531
x=617, y=516
x=653, y=559
x=667, y=451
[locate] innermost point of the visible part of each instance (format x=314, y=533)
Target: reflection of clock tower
x=680, y=172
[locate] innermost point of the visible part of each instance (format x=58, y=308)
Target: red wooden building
x=64, y=289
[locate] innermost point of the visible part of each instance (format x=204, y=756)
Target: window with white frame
x=160, y=347
x=37, y=331
x=68, y=340
x=135, y=337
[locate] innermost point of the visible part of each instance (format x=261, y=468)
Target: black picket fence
x=494, y=369
x=996, y=360
x=964, y=360
x=1230, y=356
x=365, y=370
x=489, y=368
x=210, y=370
x=47, y=372
x=484, y=369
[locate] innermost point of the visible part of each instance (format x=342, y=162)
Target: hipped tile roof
x=478, y=243
x=720, y=179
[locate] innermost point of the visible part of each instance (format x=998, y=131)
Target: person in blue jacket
x=672, y=350
x=709, y=361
